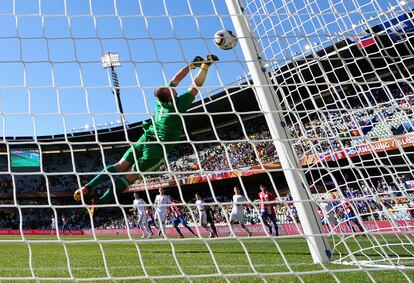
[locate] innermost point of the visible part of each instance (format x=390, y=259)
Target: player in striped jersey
x=139, y=208
x=267, y=209
x=350, y=216
x=179, y=218
x=151, y=220
x=204, y=216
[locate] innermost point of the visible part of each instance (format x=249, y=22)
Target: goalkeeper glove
x=196, y=63
x=210, y=58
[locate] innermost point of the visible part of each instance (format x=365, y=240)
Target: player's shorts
x=210, y=218
x=203, y=217
x=149, y=157
x=161, y=216
x=142, y=218
x=270, y=216
x=350, y=217
x=151, y=222
x=179, y=219
x=237, y=216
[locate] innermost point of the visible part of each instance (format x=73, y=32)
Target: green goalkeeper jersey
x=168, y=124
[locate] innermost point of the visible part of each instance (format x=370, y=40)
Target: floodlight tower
x=110, y=60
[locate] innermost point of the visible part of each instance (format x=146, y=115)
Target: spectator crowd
x=234, y=148
x=385, y=201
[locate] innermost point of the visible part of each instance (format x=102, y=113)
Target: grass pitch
x=212, y=260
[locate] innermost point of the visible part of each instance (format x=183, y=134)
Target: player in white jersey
x=161, y=202
x=237, y=212
x=139, y=208
x=53, y=224
x=202, y=212
x=328, y=214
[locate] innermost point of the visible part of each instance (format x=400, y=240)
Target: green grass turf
x=263, y=263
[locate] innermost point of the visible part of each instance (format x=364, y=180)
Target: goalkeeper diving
x=147, y=154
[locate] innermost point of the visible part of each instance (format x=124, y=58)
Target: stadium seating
x=355, y=126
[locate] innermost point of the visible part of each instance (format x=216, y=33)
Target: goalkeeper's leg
x=122, y=182
x=121, y=166
x=150, y=157
x=89, y=188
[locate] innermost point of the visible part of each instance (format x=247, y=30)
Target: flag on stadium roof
x=365, y=41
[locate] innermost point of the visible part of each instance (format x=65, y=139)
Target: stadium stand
x=359, y=125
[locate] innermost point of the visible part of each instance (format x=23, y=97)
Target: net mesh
x=342, y=75
x=346, y=92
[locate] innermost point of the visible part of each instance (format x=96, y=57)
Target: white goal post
x=270, y=105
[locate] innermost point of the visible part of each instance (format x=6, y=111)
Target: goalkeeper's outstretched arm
x=179, y=76
x=201, y=76
x=165, y=94
x=182, y=73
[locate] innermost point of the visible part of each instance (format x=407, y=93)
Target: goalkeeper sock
x=121, y=183
x=102, y=177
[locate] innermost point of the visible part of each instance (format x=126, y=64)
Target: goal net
x=340, y=72
x=313, y=109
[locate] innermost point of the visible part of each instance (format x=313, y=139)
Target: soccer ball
x=225, y=39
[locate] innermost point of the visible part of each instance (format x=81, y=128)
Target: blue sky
x=52, y=81
x=51, y=75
